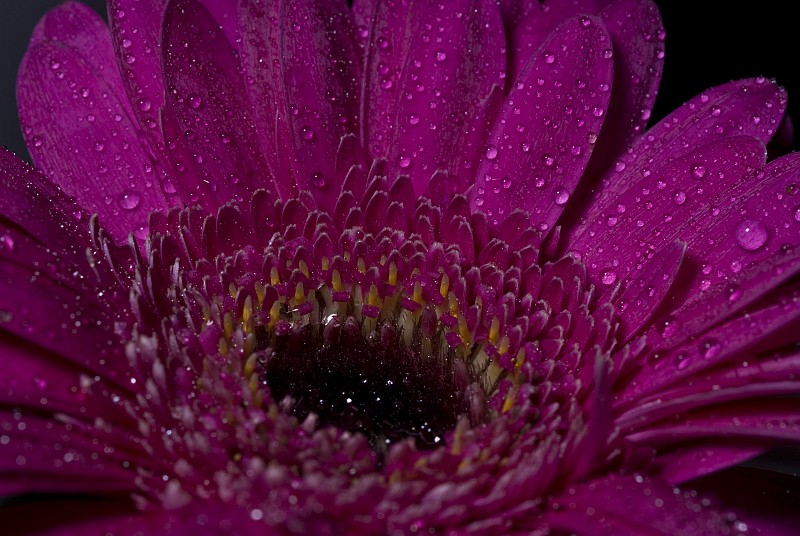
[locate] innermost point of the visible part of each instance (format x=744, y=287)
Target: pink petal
x=723, y=300
x=442, y=72
x=301, y=112
x=546, y=129
x=633, y=505
x=638, y=35
x=204, y=96
x=31, y=202
x=751, y=221
x=700, y=459
x=655, y=209
x=765, y=501
x=96, y=143
x=743, y=108
x=136, y=33
x=531, y=23
x=648, y=286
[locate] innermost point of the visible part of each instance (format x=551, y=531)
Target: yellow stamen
x=326, y=263
x=417, y=292
x=247, y=313
x=444, y=286
x=227, y=324
x=261, y=291
x=336, y=280
x=303, y=268
x=274, y=276
x=274, y=314
x=392, y=273
x=299, y=293
x=373, y=298
x=494, y=330
x=361, y=265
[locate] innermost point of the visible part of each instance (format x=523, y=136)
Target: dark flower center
x=380, y=384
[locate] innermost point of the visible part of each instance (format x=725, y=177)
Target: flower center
x=375, y=381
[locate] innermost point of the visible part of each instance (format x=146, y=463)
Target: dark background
x=704, y=47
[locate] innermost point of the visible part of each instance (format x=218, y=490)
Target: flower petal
x=766, y=501
x=655, y=209
x=752, y=107
x=531, y=23
x=442, y=72
x=204, y=96
x=566, y=88
x=136, y=31
x=31, y=203
x=638, y=35
x=635, y=505
x=700, y=459
x=96, y=141
x=302, y=112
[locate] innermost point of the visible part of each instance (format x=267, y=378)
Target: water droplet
x=413, y=119
x=306, y=133
x=608, y=277
x=549, y=58
x=128, y=200
x=560, y=196
x=404, y=161
x=7, y=242
x=144, y=104
x=751, y=235
x=168, y=187
x=734, y=293
x=797, y=214
x=698, y=171
x=710, y=348
x=441, y=56
x=548, y=160
x=491, y=152
x=319, y=180
x=195, y=101
x=679, y=197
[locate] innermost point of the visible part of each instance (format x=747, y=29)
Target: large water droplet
x=608, y=277
x=129, y=200
x=698, y=171
x=404, y=161
x=560, y=196
x=491, y=152
x=710, y=348
x=751, y=234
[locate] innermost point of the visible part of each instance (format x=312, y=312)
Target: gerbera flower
x=402, y=267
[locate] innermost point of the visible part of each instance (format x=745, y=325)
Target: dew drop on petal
x=128, y=200
x=679, y=198
x=608, y=277
x=195, y=101
x=560, y=196
x=751, y=234
x=710, y=348
x=491, y=152
x=698, y=171
x=306, y=133
x=404, y=161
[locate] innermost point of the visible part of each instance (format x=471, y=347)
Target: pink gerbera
x=299, y=267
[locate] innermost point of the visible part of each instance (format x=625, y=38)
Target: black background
x=709, y=42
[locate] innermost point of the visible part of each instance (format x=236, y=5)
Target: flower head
x=299, y=267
